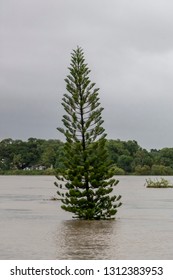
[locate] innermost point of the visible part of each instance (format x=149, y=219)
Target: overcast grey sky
x=128, y=45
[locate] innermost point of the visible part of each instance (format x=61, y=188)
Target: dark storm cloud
x=128, y=46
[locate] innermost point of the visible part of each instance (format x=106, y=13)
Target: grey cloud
x=128, y=46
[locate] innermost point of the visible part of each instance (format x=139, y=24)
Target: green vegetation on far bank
x=41, y=157
x=28, y=172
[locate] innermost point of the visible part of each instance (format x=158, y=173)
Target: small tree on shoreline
x=87, y=171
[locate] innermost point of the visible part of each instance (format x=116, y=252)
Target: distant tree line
x=127, y=156
x=33, y=154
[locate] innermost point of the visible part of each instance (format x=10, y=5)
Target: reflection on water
x=85, y=239
x=34, y=227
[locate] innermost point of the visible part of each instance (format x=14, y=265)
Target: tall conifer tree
x=87, y=172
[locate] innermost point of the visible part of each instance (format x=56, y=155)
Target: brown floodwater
x=32, y=226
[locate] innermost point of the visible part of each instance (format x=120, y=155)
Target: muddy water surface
x=34, y=227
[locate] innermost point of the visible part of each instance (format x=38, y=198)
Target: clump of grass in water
x=158, y=183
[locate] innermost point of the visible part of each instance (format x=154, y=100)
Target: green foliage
x=142, y=158
x=125, y=162
x=117, y=170
x=34, y=153
x=166, y=157
x=142, y=170
x=29, y=155
x=161, y=170
x=158, y=183
x=86, y=168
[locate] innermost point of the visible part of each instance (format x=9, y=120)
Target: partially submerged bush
x=158, y=183
x=117, y=170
